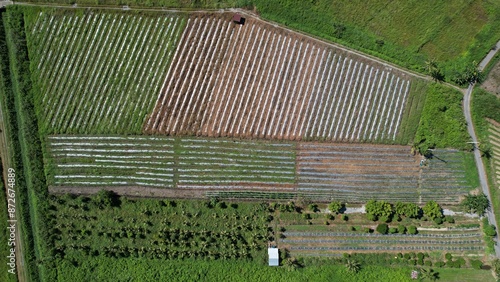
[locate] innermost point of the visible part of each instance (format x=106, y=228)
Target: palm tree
x=291, y=264
x=352, y=266
x=428, y=274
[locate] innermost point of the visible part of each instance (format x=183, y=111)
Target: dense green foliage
x=4, y=235
x=106, y=269
x=110, y=226
x=432, y=210
x=336, y=207
x=442, y=123
x=379, y=208
x=410, y=210
x=484, y=105
x=27, y=157
x=382, y=228
x=476, y=203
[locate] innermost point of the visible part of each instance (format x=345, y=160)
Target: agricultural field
x=97, y=71
x=257, y=80
x=223, y=168
x=494, y=139
x=325, y=234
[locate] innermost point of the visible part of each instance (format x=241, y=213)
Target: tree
x=428, y=274
x=378, y=208
x=382, y=228
x=336, y=206
x=410, y=210
x=433, y=69
x=313, y=207
x=291, y=264
x=476, y=204
x=353, y=266
x=432, y=210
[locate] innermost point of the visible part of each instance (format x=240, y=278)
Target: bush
x=412, y=230
x=448, y=256
x=326, y=222
x=313, y=207
x=336, y=207
x=385, y=219
x=393, y=230
x=382, y=228
x=367, y=230
x=420, y=256
x=438, y=220
x=420, y=262
x=345, y=217
x=371, y=217
x=407, y=256
x=306, y=216
x=432, y=210
x=401, y=229
x=330, y=216
x=489, y=230
x=476, y=264
x=428, y=263
x=449, y=219
x=439, y=264
x=460, y=262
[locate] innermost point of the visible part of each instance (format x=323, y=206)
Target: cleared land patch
x=98, y=72
x=257, y=80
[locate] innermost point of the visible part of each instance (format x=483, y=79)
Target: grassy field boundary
x=412, y=112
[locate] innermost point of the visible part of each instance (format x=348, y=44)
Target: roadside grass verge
x=442, y=124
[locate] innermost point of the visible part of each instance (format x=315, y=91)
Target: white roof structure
x=273, y=257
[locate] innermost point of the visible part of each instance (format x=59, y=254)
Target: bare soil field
x=260, y=81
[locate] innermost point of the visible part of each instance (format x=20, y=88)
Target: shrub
x=353, y=228
x=345, y=217
x=439, y=264
x=385, y=219
x=371, y=217
x=221, y=205
x=336, y=207
x=420, y=262
x=460, y=262
x=438, y=220
x=329, y=216
x=412, y=230
x=432, y=210
x=367, y=230
x=449, y=219
x=326, y=222
x=393, y=230
x=476, y=264
x=428, y=263
x=313, y=207
x=378, y=208
x=401, y=229
x=448, y=256
x=382, y=228
x=420, y=256
x=489, y=230
x=306, y=216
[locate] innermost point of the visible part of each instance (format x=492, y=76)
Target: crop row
x=390, y=248
x=352, y=234
x=99, y=72
x=169, y=164
x=494, y=138
x=348, y=241
x=257, y=80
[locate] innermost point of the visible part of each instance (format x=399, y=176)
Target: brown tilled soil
x=226, y=81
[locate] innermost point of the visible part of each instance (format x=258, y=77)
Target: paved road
x=477, y=153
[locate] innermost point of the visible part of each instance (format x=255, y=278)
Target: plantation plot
x=358, y=172
x=444, y=176
x=494, y=138
x=98, y=72
x=340, y=242
x=163, y=162
x=257, y=80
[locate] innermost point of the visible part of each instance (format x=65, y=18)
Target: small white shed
x=274, y=259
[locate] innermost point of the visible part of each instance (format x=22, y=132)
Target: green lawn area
x=464, y=275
